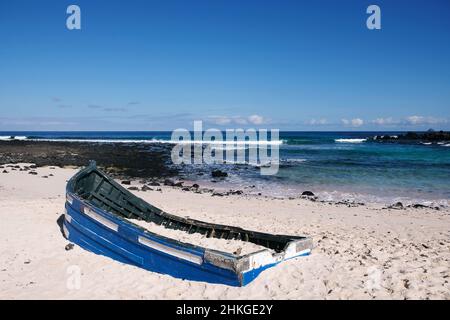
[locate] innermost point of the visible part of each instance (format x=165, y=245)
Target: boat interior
x=101, y=191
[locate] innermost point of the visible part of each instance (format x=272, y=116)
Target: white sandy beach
x=360, y=252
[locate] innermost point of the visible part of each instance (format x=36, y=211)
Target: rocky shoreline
x=413, y=137
x=138, y=168
x=117, y=159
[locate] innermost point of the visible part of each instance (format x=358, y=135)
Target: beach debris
x=218, y=174
x=69, y=246
x=126, y=182
x=396, y=206
x=178, y=184
x=146, y=188
x=28, y=261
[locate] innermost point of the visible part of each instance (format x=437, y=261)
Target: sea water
x=333, y=165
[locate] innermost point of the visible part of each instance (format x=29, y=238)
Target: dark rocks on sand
x=154, y=184
x=33, y=173
x=419, y=206
x=33, y=166
x=218, y=174
x=186, y=189
x=178, y=184
x=126, y=182
x=169, y=182
x=217, y=194
x=195, y=186
x=236, y=192
x=4, y=171
x=133, y=188
x=45, y=177
x=69, y=246
x=308, y=194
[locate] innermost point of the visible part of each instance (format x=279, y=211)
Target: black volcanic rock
x=169, y=182
x=218, y=174
x=428, y=136
x=120, y=160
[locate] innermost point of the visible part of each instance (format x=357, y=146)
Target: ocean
x=334, y=165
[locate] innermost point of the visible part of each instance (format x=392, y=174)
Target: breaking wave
x=350, y=140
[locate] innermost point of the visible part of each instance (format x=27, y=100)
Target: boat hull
x=111, y=235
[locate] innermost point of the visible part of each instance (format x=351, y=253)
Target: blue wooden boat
x=96, y=218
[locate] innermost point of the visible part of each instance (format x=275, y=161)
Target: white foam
x=294, y=160
x=216, y=144
x=7, y=138
x=350, y=140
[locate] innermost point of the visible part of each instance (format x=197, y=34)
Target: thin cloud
x=421, y=120
x=414, y=120
x=385, y=121
x=320, y=122
x=132, y=103
x=240, y=120
x=357, y=122
x=256, y=119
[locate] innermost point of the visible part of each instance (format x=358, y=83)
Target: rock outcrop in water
x=413, y=137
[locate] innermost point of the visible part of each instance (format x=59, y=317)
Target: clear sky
x=159, y=65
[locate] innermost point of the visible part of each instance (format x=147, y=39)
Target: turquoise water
x=323, y=163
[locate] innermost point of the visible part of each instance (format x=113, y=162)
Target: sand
x=360, y=252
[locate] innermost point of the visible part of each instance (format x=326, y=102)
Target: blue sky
x=159, y=65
